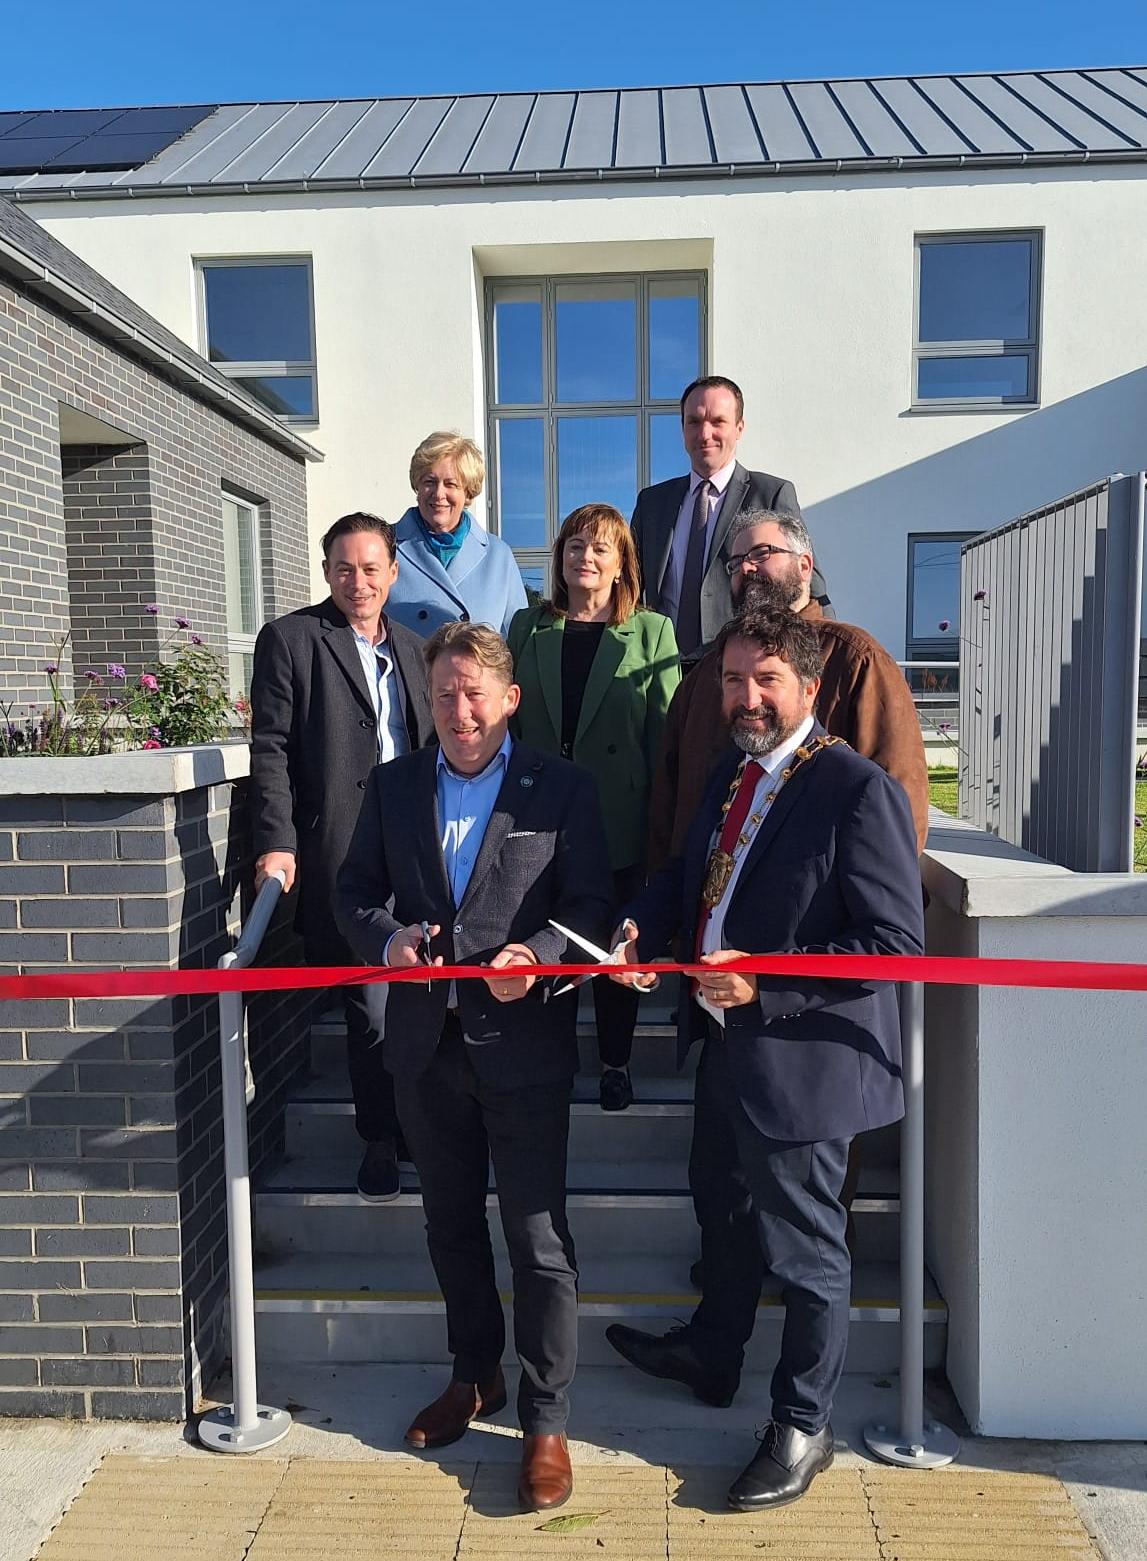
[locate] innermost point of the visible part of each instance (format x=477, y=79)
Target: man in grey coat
x=680, y=527
x=337, y=688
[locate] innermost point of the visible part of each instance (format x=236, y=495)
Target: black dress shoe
x=673, y=1358
x=785, y=1466
x=377, y=1179
x=615, y=1092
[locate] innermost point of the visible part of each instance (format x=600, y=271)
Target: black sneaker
x=615, y=1091
x=377, y=1180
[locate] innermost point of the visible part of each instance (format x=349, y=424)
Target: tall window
x=243, y=587
x=934, y=595
x=977, y=320
x=584, y=376
x=257, y=326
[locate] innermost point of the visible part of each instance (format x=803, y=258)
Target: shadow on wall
x=1029, y=460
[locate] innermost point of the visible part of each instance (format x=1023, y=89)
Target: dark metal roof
x=46, y=268
x=657, y=132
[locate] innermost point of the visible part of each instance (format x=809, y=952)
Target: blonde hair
x=475, y=640
x=603, y=523
x=465, y=454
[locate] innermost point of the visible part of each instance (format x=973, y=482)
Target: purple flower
x=979, y=596
x=197, y=639
x=149, y=681
x=182, y=623
x=154, y=731
x=92, y=676
x=111, y=704
x=153, y=609
x=51, y=669
x=944, y=625
x=945, y=726
x=118, y=671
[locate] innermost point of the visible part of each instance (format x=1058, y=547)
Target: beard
x=762, y=593
x=760, y=740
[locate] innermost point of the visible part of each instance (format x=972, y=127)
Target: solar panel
x=91, y=140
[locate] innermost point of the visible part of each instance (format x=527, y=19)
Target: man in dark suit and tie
x=462, y=854
x=337, y=688
x=680, y=527
x=800, y=846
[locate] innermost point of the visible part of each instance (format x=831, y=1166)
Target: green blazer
x=623, y=710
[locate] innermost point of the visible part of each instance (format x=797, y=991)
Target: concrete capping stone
x=164, y=772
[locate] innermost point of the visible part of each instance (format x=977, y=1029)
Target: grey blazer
x=655, y=517
x=314, y=744
x=543, y=854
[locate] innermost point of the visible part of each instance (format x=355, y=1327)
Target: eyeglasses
x=757, y=556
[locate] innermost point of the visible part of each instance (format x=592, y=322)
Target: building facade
x=925, y=288
x=132, y=476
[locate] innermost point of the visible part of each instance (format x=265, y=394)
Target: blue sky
x=69, y=53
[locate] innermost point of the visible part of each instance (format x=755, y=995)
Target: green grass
x=943, y=792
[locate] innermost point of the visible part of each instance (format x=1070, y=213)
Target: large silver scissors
x=603, y=957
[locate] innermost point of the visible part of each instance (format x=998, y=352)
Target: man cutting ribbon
x=800, y=846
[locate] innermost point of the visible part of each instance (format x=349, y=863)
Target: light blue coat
x=484, y=583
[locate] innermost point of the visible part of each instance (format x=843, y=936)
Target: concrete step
x=662, y=1129
x=627, y=1207
x=347, y=1307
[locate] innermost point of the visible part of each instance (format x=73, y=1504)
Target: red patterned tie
x=730, y=830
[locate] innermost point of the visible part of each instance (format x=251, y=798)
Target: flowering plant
x=183, y=701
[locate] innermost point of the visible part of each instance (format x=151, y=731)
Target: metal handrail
x=246, y=1425
x=915, y=1445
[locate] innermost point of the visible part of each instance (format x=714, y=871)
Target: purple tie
x=689, y=601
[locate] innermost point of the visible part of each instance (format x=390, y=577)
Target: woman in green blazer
x=597, y=674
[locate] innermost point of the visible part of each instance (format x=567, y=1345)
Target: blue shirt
x=386, y=695
x=465, y=806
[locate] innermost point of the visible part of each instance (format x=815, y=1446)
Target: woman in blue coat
x=449, y=566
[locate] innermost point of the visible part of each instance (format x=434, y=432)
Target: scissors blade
x=603, y=956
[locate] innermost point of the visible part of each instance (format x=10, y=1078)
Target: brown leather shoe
x=546, y=1479
x=445, y=1420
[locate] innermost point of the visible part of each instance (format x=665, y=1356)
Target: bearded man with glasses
x=863, y=695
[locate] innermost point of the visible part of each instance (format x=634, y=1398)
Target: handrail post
x=916, y=1445
x=246, y=1425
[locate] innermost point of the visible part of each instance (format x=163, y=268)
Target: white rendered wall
x=811, y=296
x=1036, y=1180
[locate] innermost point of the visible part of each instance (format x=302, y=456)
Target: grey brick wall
x=111, y=556
x=174, y=546
x=113, y=1253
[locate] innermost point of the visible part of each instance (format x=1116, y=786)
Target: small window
x=977, y=320
x=243, y=585
x=258, y=328
x=934, y=595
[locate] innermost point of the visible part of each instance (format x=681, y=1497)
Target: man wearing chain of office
x=800, y=846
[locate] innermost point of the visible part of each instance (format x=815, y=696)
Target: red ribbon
x=938, y=970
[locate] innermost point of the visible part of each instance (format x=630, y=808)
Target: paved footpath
x=651, y=1469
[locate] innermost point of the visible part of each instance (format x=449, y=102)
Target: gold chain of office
x=719, y=868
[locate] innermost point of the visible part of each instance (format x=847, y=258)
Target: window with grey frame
x=933, y=631
x=584, y=375
x=977, y=316
x=243, y=588
x=257, y=326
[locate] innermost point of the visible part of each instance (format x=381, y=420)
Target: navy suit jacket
x=543, y=854
x=831, y=870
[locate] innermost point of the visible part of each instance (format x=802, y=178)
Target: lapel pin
x=526, y=780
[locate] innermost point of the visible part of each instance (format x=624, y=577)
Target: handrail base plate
x=217, y=1430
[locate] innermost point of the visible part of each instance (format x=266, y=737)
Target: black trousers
x=454, y=1124
x=764, y=1203
x=615, y=1007
x=372, y=1087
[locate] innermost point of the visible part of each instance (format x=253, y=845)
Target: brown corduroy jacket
x=863, y=698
